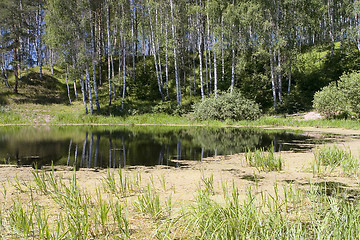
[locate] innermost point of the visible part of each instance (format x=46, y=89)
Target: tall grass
x=327, y=159
x=290, y=212
x=77, y=214
x=264, y=160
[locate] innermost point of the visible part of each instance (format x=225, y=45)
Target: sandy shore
x=183, y=182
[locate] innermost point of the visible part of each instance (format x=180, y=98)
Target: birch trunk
x=200, y=63
x=132, y=10
x=113, y=75
x=94, y=61
x=206, y=67
x=155, y=56
x=166, y=63
x=173, y=28
x=67, y=85
x=215, y=74
x=88, y=83
x=124, y=74
x=289, y=80
x=109, y=47
x=279, y=77
x=232, y=70
x=52, y=61
x=222, y=50
x=3, y=70
x=273, y=79
x=39, y=39
x=83, y=95
x=208, y=39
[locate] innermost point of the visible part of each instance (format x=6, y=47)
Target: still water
x=104, y=147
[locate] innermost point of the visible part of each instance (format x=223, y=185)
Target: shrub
x=330, y=101
x=340, y=101
x=232, y=106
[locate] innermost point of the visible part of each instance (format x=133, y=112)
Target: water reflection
x=129, y=146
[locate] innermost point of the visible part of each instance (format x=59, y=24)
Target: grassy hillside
x=45, y=100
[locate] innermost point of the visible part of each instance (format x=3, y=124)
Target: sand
x=183, y=182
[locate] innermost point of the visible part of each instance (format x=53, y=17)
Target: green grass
x=264, y=160
x=45, y=102
x=287, y=213
x=327, y=159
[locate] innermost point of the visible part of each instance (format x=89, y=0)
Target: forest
x=173, y=54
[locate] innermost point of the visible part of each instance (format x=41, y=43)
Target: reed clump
x=264, y=160
x=329, y=158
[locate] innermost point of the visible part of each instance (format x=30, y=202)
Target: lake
x=120, y=146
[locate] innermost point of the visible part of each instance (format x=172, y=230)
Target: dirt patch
x=312, y=116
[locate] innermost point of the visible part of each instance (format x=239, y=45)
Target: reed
x=318, y=210
x=264, y=160
x=327, y=159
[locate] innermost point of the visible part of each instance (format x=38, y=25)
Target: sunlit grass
x=327, y=159
x=70, y=212
x=264, y=160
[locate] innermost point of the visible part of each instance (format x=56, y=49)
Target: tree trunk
x=109, y=47
x=279, y=77
x=173, y=28
x=52, y=61
x=16, y=72
x=222, y=50
x=206, y=67
x=83, y=95
x=166, y=63
x=124, y=74
x=152, y=40
x=290, y=73
x=113, y=76
x=88, y=83
x=67, y=85
x=273, y=79
x=215, y=74
x=232, y=70
x=39, y=39
x=200, y=63
x=133, y=40
x=3, y=71
x=92, y=26
x=99, y=46
x=208, y=39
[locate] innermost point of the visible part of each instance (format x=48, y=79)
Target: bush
x=341, y=101
x=232, y=106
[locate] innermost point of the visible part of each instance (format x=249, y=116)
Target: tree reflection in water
x=130, y=146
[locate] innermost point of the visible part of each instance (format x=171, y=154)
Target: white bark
x=173, y=28
x=109, y=47
x=67, y=85
x=152, y=39
x=83, y=95
x=94, y=62
x=232, y=70
x=273, y=79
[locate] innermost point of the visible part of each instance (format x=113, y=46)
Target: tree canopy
x=277, y=53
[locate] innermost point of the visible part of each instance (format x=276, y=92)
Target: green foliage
x=227, y=106
x=330, y=101
x=342, y=100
